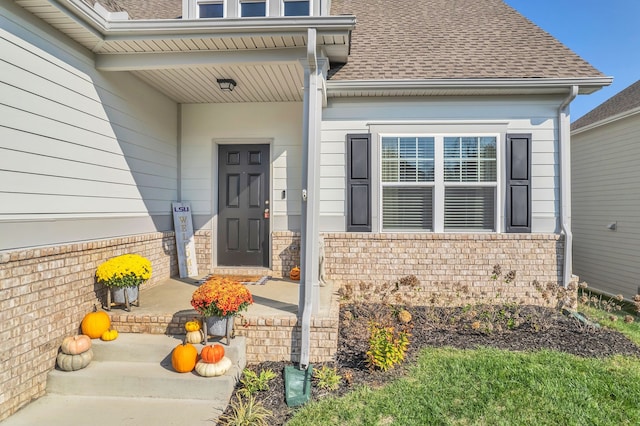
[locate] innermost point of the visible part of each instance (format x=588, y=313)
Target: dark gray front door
x=243, y=188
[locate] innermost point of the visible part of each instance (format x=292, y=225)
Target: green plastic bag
x=297, y=385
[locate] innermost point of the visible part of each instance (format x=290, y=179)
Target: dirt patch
x=516, y=328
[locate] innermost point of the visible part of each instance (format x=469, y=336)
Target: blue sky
x=604, y=32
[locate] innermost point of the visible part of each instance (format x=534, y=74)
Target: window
x=253, y=8
x=441, y=183
x=211, y=10
x=296, y=8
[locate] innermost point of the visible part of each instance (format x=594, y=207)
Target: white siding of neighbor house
x=276, y=123
x=83, y=154
x=606, y=189
x=535, y=115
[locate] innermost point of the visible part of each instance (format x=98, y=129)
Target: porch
x=271, y=326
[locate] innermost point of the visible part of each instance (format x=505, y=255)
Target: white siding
x=80, y=147
x=535, y=115
x=204, y=125
x=606, y=189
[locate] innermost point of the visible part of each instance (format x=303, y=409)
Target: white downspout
x=310, y=198
x=564, y=148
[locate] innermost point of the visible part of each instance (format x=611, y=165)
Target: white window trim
x=286, y=1
x=224, y=7
x=266, y=7
x=439, y=184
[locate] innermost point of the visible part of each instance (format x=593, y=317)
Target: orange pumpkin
x=95, y=323
x=212, y=353
x=184, y=357
x=294, y=274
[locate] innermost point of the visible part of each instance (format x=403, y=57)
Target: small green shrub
x=253, y=382
x=327, y=377
x=387, y=346
x=247, y=412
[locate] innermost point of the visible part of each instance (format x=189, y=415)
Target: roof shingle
x=626, y=100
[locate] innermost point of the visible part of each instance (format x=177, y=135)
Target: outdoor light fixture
x=227, y=84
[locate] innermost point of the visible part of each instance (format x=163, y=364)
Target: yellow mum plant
x=127, y=270
x=221, y=297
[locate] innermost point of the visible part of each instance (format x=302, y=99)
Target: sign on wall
x=185, y=241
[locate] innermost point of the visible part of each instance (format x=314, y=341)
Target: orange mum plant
x=221, y=297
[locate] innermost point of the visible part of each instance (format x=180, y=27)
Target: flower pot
x=219, y=326
x=119, y=294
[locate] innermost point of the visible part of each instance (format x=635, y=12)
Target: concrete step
x=130, y=381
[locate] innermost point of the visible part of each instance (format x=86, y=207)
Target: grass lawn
x=631, y=330
x=493, y=387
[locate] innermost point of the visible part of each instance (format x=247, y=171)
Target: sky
x=604, y=32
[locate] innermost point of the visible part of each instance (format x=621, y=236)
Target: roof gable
x=626, y=100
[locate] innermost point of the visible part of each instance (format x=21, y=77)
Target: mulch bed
x=515, y=328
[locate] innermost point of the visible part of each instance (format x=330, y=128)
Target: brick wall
x=285, y=252
x=445, y=265
x=45, y=292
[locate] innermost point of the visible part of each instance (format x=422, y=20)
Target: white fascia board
x=544, y=85
x=132, y=29
x=175, y=60
x=607, y=120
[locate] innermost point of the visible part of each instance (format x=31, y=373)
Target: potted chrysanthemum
x=123, y=275
x=219, y=299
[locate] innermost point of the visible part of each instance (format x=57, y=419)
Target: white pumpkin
x=68, y=362
x=206, y=369
x=196, y=336
x=74, y=345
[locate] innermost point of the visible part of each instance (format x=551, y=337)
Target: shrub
x=387, y=347
x=327, y=377
x=253, y=382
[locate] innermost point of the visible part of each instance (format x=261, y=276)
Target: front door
x=243, y=205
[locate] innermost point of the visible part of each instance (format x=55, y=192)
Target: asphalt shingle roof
x=626, y=100
x=429, y=39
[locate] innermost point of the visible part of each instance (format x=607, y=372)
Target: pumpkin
x=67, y=362
x=183, y=357
x=95, y=323
x=404, y=316
x=193, y=325
x=194, y=336
x=207, y=369
x=212, y=353
x=74, y=345
x=109, y=335
x=294, y=274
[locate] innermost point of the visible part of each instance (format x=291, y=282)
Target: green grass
x=631, y=330
x=493, y=387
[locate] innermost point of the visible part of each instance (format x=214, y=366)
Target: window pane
x=407, y=208
x=249, y=9
x=451, y=147
x=469, y=209
x=488, y=147
x=389, y=170
x=211, y=10
x=408, y=170
x=408, y=148
x=452, y=171
x=487, y=171
x=469, y=147
x=296, y=8
x=425, y=171
x=389, y=147
x=425, y=148
x=469, y=171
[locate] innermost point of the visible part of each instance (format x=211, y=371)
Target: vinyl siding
x=535, y=115
x=77, y=146
x=606, y=189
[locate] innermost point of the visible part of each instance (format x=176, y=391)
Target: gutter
x=564, y=148
x=309, y=201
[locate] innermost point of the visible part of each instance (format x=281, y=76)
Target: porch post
x=309, y=251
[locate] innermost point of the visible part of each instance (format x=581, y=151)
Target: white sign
x=185, y=242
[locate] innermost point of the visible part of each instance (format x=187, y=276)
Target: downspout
x=564, y=148
x=310, y=195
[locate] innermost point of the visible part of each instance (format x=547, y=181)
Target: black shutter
x=359, y=183
x=518, y=200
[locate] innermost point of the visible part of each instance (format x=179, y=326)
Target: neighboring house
x=405, y=137
x=605, y=145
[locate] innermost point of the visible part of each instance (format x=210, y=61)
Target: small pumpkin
x=294, y=274
x=194, y=336
x=207, y=369
x=183, y=357
x=109, y=335
x=404, y=316
x=74, y=345
x=193, y=325
x=67, y=362
x=95, y=323
x=212, y=353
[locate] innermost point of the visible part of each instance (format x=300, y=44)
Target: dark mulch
x=515, y=328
